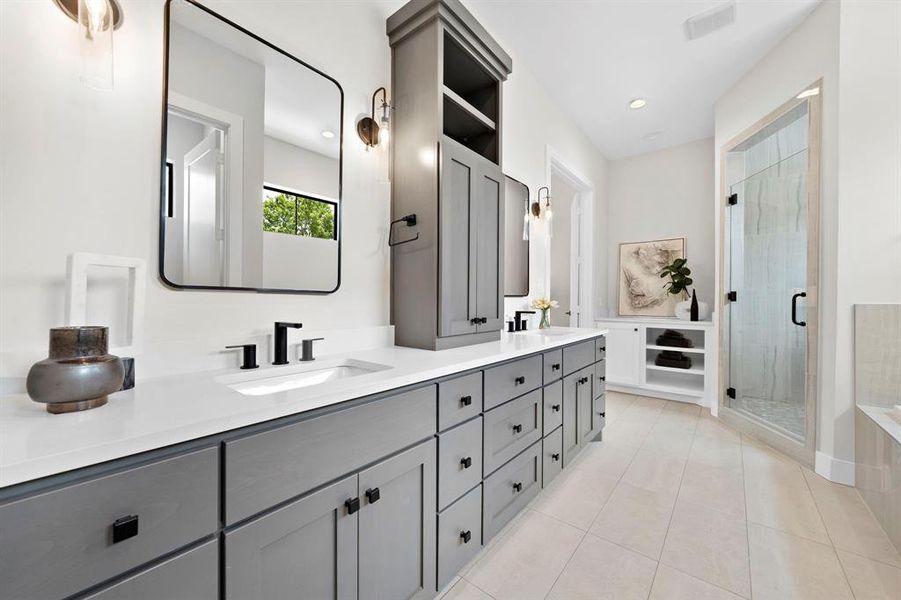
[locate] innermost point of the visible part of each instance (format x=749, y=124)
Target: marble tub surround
x=877, y=354
x=168, y=410
x=655, y=536
x=877, y=446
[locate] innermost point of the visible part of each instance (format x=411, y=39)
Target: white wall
x=868, y=248
x=660, y=195
x=101, y=190
x=80, y=172
x=299, y=169
x=809, y=53
x=535, y=128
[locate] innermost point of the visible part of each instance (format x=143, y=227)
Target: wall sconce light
x=97, y=19
x=548, y=211
x=371, y=132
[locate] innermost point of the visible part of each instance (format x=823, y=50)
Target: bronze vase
x=78, y=373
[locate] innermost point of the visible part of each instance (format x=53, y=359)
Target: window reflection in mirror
x=250, y=192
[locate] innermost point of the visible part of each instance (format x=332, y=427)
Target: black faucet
x=518, y=323
x=281, y=341
x=307, y=349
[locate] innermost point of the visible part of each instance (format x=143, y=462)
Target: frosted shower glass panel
x=767, y=267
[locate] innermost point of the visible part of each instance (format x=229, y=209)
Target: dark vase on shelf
x=694, y=306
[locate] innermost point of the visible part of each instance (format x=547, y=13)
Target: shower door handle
x=795, y=309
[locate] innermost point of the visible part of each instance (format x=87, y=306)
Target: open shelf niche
x=471, y=103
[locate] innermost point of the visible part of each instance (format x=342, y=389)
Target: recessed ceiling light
x=637, y=103
x=653, y=136
x=328, y=134
x=808, y=93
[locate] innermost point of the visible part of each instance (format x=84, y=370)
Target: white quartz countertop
x=169, y=410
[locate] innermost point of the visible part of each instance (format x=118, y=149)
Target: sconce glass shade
x=95, y=31
x=384, y=124
x=526, y=223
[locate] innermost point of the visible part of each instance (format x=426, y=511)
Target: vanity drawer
x=553, y=407
x=578, y=356
x=511, y=428
x=509, y=490
x=194, y=575
x=600, y=378
x=552, y=456
x=58, y=543
x=459, y=535
x=267, y=468
x=600, y=348
x=513, y=379
x=553, y=365
x=459, y=399
x=459, y=461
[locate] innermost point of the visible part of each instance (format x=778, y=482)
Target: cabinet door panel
x=622, y=354
x=586, y=413
x=457, y=291
x=308, y=549
x=570, y=417
x=397, y=530
x=487, y=223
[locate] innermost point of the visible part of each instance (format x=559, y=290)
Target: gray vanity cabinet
x=570, y=417
x=471, y=212
x=397, y=526
x=308, y=549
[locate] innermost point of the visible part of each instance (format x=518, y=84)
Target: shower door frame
x=756, y=427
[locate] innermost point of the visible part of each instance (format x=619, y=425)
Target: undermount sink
x=546, y=332
x=282, y=379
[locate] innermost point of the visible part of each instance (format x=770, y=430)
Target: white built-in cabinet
x=632, y=350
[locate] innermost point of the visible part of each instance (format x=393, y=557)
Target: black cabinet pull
x=373, y=495
x=466, y=536
x=474, y=320
x=555, y=457
x=603, y=348
x=517, y=428
x=466, y=462
x=124, y=528
x=555, y=408
x=519, y=380
x=465, y=400
x=602, y=377
x=603, y=414
x=555, y=367
x=352, y=505
x=517, y=487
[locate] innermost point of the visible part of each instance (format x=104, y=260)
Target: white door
x=623, y=353
x=575, y=275
x=204, y=257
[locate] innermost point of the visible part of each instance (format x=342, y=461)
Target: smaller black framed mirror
x=516, y=238
x=252, y=162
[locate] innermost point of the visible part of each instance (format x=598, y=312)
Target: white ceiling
x=593, y=56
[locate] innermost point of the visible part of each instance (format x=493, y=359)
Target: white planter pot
x=683, y=310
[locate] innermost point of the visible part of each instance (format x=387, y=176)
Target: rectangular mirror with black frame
x=516, y=242
x=250, y=193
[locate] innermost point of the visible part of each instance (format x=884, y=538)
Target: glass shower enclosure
x=770, y=261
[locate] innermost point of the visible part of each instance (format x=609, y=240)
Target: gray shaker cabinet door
x=398, y=526
x=586, y=416
x=487, y=222
x=305, y=550
x=458, y=251
x=570, y=417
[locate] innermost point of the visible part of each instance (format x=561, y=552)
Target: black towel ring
x=410, y=220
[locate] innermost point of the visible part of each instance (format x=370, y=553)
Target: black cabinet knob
x=602, y=377
x=352, y=505
x=373, y=495
x=555, y=457
x=465, y=400
x=603, y=348
x=124, y=528
x=519, y=380
x=466, y=536
x=466, y=462
x=517, y=487
x=517, y=428
x=555, y=408
x=603, y=414
x=555, y=367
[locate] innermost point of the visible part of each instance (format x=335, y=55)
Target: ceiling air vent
x=710, y=20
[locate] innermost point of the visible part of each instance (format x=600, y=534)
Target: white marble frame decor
x=77, y=266
x=641, y=291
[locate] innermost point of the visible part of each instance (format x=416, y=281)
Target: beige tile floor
x=674, y=505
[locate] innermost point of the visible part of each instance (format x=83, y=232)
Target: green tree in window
x=297, y=215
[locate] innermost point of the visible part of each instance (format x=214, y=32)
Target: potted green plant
x=679, y=280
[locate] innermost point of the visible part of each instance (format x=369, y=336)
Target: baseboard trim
x=834, y=469
x=641, y=391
